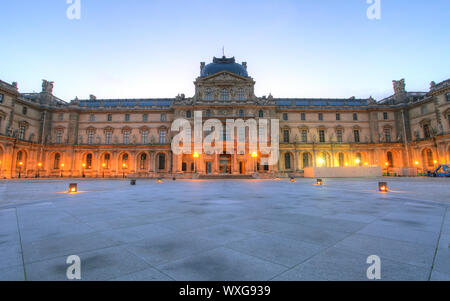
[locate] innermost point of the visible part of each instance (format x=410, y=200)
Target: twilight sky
x=298, y=48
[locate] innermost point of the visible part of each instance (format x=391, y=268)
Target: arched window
x=125, y=160
x=390, y=159
x=161, y=161
x=261, y=114
x=287, y=161
x=430, y=157
x=224, y=95
x=56, y=161
x=341, y=160
x=107, y=160
x=89, y=161
x=306, y=160
x=20, y=158
x=143, y=161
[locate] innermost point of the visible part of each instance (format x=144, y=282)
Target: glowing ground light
x=383, y=186
x=319, y=182
x=159, y=180
x=73, y=188
x=293, y=180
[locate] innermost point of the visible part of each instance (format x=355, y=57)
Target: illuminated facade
x=44, y=136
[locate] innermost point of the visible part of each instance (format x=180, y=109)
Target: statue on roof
x=47, y=86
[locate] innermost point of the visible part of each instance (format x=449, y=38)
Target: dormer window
x=224, y=95
x=261, y=114
x=188, y=114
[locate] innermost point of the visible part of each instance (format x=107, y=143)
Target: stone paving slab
x=225, y=230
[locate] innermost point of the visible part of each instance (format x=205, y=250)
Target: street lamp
x=62, y=169
x=39, y=169
x=84, y=166
x=124, y=166
x=196, y=156
x=20, y=168
x=254, y=156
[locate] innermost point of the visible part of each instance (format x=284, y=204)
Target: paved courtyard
x=225, y=230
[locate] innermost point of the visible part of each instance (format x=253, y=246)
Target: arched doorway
x=323, y=160
x=161, y=162
x=341, y=160
x=389, y=160
x=428, y=158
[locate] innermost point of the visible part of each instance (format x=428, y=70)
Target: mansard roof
x=321, y=102
x=127, y=103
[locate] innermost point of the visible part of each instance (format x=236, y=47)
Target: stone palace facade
x=44, y=136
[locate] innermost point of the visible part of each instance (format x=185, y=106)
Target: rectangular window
x=285, y=116
x=24, y=110
x=303, y=116
x=58, y=137
x=355, y=116
x=0, y=123
x=320, y=116
x=144, y=137
x=356, y=134
x=109, y=117
x=61, y=116
x=338, y=116
x=162, y=137
x=423, y=109
x=286, y=136
x=322, y=136
x=90, y=137
x=126, y=137
x=92, y=118
x=385, y=116
x=1, y=98
x=127, y=117
x=426, y=131
x=387, y=135
x=145, y=117
x=304, y=136
x=22, y=133
x=339, y=135
x=446, y=95
x=108, y=137
x=163, y=117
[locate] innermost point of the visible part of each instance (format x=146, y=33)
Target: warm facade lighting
x=383, y=186
x=62, y=164
x=366, y=164
x=104, y=165
x=20, y=163
x=73, y=188
x=39, y=164
x=387, y=163
x=435, y=162
x=357, y=161
x=416, y=163
x=195, y=155
x=346, y=164
x=254, y=155
x=84, y=165
x=159, y=180
x=321, y=161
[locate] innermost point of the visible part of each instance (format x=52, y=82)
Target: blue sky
x=137, y=48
